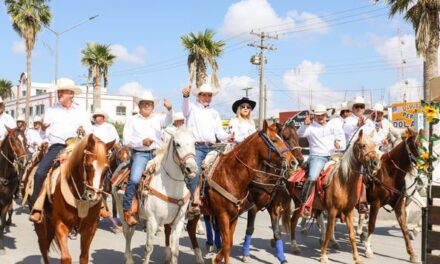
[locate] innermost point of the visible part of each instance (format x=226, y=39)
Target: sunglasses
x=146, y=104
x=359, y=106
x=206, y=94
x=245, y=107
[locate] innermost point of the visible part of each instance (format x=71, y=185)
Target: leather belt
x=206, y=143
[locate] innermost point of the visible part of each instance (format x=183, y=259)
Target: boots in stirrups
x=129, y=218
x=36, y=215
x=363, y=203
x=194, y=207
x=307, y=190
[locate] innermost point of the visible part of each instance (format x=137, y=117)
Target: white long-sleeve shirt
x=64, y=122
x=137, y=128
x=384, y=130
x=205, y=122
x=35, y=138
x=105, y=132
x=240, y=129
x=337, y=122
x=6, y=120
x=350, y=127
x=322, y=138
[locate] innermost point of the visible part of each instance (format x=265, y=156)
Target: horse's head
x=95, y=164
x=275, y=150
x=364, y=151
x=15, y=143
x=184, y=150
x=288, y=133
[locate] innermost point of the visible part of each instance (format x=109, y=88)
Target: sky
x=326, y=52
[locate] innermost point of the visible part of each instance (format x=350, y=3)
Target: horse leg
x=174, y=241
x=303, y=224
x=321, y=222
x=151, y=229
x=400, y=212
x=191, y=229
x=275, y=220
x=10, y=212
x=374, y=210
x=361, y=222
x=168, y=233
x=248, y=237
x=61, y=234
x=43, y=231
x=2, y=229
x=86, y=240
x=225, y=225
x=293, y=224
x=352, y=236
x=328, y=233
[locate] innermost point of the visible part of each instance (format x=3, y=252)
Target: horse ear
x=91, y=140
x=9, y=130
x=109, y=145
x=411, y=132
x=171, y=130
x=265, y=126
x=360, y=134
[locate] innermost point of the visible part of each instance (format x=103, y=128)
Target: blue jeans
x=43, y=168
x=201, y=151
x=138, y=164
x=316, y=164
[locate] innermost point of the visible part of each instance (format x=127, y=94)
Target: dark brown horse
x=76, y=200
x=342, y=193
x=388, y=187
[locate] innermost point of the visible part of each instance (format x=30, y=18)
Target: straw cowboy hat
x=67, y=84
x=344, y=106
x=205, y=88
x=146, y=96
x=99, y=112
x=243, y=100
x=358, y=100
x=319, y=109
x=378, y=108
x=178, y=116
x=37, y=119
x=21, y=118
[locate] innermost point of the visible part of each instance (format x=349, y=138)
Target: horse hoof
x=359, y=262
x=323, y=259
x=369, y=254
x=414, y=259
x=246, y=259
x=272, y=243
x=2, y=251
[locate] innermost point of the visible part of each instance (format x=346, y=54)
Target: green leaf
x=435, y=121
x=423, y=103
x=420, y=160
x=422, y=138
x=421, y=149
x=434, y=137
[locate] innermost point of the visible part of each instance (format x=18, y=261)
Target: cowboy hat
x=37, y=119
x=205, y=88
x=344, y=106
x=319, y=109
x=178, y=116
x=99, y=112
x=67, y=84
x=243, y=100
x=358, y=100
x=21, y=118
x=146, y=96
x=378, y=108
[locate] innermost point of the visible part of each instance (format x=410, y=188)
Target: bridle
x=17, y=162
x=179, y=160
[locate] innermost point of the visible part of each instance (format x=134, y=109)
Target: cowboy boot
x=307, y=189
x=363, y=203
x=104, y=212
x=194, y=207
x=36, y=217
x=129, y=218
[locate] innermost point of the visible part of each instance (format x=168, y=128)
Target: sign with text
x=404, y=114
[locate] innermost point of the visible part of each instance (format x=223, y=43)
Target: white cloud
x=246, y=15
x=411, y=89
x=18, y=47
x=132, y=89
x=135, y=57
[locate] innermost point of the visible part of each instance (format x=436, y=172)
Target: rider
x=102, y=129
x=64, y=120
x=352, y=125
x=5, y=121
x=35, y=136
x=323, y=139
x=339, y=120
x=142, y=134
x=385, y=134
x=179, y=120
x=21, y=123
x=206, y=125
x=242, y=125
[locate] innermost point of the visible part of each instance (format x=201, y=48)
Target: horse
x=76, y=200
x=164, y=197
x=13, y=156
x=388, y=187
x=228, y=182
x=342, y=193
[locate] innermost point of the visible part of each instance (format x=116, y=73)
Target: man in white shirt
x=206, y=125
x=178, y=120
x=343, y=113
x=384, y=133
x=5, y=121
x=106, y=132
x=21, y=123
x=64, y=120
x=35, y=136
x=324, y=140
x=142, y=133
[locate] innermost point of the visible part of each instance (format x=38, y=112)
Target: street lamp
x=58, y=34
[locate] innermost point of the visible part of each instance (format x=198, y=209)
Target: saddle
x=29, y=174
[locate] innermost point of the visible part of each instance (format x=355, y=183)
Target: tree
x=202, y=49
x=98, y=58
x=5, y=88
x=28, y=18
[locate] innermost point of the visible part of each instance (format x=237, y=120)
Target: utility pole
x=261, y=60
x=247, y=91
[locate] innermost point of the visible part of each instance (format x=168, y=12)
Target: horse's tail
x=285, y=215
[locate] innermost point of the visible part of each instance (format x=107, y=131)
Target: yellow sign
x=404, y=114
x=225, y=123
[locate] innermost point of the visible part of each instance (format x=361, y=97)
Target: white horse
x=165, y=200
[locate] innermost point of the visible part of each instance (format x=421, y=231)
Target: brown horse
x=388, y=187
x=342, y=194
x=229, y=182
x=76, y=200
x=13, y=154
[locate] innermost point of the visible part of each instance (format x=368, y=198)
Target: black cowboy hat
x=243, y=100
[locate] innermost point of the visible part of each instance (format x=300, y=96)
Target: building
x=117, y=107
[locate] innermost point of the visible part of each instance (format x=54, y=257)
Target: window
x=39, y=91
x=23, y=111
x=13, y=113
x=91, y=108
x=37, y=110
x=42, y=109
x=23, y=93
x=121, y=110
x=31, y=110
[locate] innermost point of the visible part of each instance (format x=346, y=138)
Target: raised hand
x=186, y=91
x=167, y=104
x=307, y=120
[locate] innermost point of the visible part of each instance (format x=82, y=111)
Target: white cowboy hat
x=67, y=84
x=99, y=112
x=146, y=96
x=358, y=100
x=378, y=108
x=178, y=116
x=344, y=106
x=37, y=119
x=21, y=118
x=319, y=109
x=205, y=88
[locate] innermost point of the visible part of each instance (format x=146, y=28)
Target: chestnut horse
x=228, y=183
x=388, y=187
x=342, y=194
x=81, y=178
x=13, y=154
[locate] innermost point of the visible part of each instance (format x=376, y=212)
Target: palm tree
x=28, y=18
x=202, y=49
x=5, y=88
x=98, y=58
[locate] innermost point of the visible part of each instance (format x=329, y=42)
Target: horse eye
x=177, y=145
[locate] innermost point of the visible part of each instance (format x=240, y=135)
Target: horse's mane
x=348, y=161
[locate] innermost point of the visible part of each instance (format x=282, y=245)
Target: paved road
x=21, y=243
